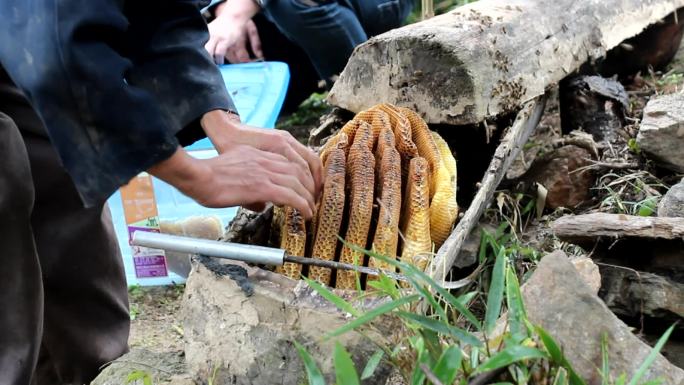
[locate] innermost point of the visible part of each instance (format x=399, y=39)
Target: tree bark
x=488, y=57
x=600, y=225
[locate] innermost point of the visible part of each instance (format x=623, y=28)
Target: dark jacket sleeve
x=112, y=104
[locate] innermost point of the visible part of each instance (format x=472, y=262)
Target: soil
x=155, y=318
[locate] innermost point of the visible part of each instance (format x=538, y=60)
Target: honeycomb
x=390, y=187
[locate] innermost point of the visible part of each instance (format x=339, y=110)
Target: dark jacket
x=118, y=83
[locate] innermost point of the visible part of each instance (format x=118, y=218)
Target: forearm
x=182, y=171
x=241, y=10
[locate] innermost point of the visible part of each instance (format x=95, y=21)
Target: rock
x=163, y=368
x=589, y=272
x=631, y=293
x=557, y=299
x=243, y=326
x=672, y=203
x=557, y=172
x=661, y=132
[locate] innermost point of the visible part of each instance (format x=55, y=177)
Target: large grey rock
x=163, y=368
x=661, y=133
x=243, y=326
x=672, y=203
x=559, y=300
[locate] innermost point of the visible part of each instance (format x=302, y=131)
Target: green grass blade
x=312, y=372
x=411, y=278
x=605, y=366
x=332, y=297
x=372, y=364
x=474, y=357
x=516, y=308
x=385, y=285
x=448, y=365
x=418, y=376
x=557, y=355
x=411, y=271
x=374, y=313
x=465, y=299
x=561, y=377
x=495, y=294
x=433, y=344
x=345, y=372
x=657, y=381
x=651, y=357
x=442, y=328
x=510, y=355
x=357, y=275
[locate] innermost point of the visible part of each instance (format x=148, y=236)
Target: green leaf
x=442, y=328
x=516, y=308
x=332, y=297
x=605, y=368
x=561, y=377
x=495, y=294
x=357, y=275
x=484, y=241
x=474, y=357
x=345, y=372
x=657, y=381
x=432, y=343
x=418, y=376
x=510, y=355
x=385, y=285
x=465, y=299
x=651, y=356
x=372, y=314
x=411, y=271
x=557, y=355
x=136, y=375
x=621, y=380
x=372, y=364
x=448, y=365
x=312, y=372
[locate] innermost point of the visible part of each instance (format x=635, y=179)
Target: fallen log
x=587, y=227
x=488, y=57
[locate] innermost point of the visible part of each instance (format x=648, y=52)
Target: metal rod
x=234, y=251
x=343, y=266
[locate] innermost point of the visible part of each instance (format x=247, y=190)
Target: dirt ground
x=155, y=318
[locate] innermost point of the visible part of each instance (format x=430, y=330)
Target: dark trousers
x=63, y=297
x=316, y=37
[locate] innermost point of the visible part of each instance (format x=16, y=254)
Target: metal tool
x=245, y=253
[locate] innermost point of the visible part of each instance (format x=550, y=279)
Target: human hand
x=230, y=32
x=242, y=175
x=226, y=131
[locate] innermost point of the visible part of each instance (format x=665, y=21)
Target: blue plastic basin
x=258, y=91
